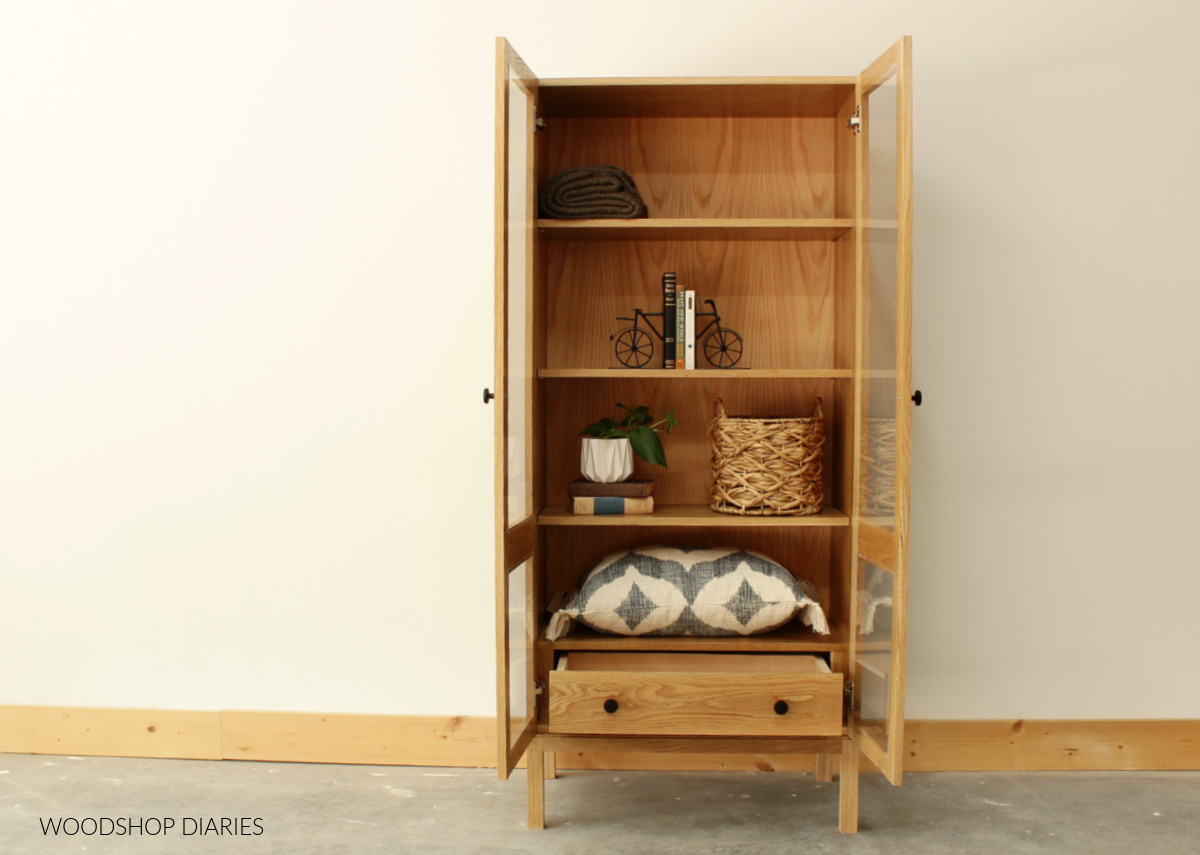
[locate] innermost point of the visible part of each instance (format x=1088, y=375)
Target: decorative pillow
x=672, y=590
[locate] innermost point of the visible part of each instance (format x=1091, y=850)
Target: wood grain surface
x=695, y=229
x=709, y=167
x=695, y=96
x=779, y=296
x=930, y=745
x=696, y=663
x=689, y=516
x=184, y=734
x=793, y=637
x=572, y=405
x=695, y=704
x=805, y=552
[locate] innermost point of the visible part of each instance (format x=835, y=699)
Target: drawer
x=695, y=694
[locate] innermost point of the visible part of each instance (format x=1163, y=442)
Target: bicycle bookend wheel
x=723, y=348
x=634, y=347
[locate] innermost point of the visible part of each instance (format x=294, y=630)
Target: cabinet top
x=694, y=96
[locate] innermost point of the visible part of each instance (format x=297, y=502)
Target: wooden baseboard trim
x=1052, y=745
x=386, y=740
x=930, y=746
x=90, y=731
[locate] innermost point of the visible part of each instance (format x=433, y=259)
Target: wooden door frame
x=516, y=545
x=888, y=550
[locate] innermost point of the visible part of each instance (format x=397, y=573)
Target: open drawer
x=695, y=694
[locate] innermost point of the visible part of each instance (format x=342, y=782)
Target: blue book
x=605, y=505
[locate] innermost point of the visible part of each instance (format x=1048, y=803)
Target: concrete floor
x=327, y=809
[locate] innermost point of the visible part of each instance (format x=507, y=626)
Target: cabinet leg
x=825, y=768
x=551, y=766
x=848, y=804
x=535, y=772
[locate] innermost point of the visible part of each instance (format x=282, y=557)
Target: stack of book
x=679, y=325
x=624, y=497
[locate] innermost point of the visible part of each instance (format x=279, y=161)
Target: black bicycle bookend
x=634, y=345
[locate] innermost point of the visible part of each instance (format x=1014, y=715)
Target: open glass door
x=883, y=218
x=516, y=515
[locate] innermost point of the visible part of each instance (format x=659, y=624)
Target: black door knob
x=781, y=708
x=488, y=395
x=610, y=706
x=916, y=398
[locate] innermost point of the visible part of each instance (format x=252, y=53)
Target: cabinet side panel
x=844, y=159
x=778, y=295
x=841, y=436
x=841, y=423
x=709, y=167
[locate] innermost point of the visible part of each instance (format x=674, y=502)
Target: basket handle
x=719, y=408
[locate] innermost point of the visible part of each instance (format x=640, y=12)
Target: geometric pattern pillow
x=672, y=591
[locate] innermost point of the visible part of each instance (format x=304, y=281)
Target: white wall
x=245, y=318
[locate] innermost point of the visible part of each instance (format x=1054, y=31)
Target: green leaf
x=599, y=428
x=670, y=421
x=648, y=446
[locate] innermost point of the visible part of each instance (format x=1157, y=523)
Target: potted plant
x=608, y=445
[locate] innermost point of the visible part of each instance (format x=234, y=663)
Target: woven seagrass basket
x=767, y=467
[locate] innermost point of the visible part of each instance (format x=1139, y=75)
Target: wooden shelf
x=792, y=638
x=688, y=516
x=696, y=229
x=695, y=374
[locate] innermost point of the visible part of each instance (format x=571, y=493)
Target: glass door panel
x=516, y=521
x=878, y=496
x=875, y=594
x=519, y=213
x=883, y=217
x=520, y=653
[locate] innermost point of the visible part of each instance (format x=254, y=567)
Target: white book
x=689, y=328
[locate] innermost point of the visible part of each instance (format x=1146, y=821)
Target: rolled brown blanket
x=591, y=192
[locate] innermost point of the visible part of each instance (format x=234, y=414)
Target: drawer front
x=695, y=704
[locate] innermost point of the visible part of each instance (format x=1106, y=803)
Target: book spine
x=680, y=332
x=632, y=489
x=689, y=329
x=670, y=349
x=611, y=505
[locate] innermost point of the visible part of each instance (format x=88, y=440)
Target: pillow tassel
x=810, y=612
x=562, y=621
x=814, y=616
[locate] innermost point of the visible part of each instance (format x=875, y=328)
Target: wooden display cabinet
x=786, y=200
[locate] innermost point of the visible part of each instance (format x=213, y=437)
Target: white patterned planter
x=606, y=461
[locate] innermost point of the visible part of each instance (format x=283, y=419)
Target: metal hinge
x=539, y=124
x=538, y=687
x=855, y=122
x=849, y=691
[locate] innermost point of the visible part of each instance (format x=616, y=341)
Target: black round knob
x=610, y=706
x=781, y=708
x=916, y=398
x=488, y=394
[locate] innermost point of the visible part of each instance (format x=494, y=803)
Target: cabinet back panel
x=778, y=295
x=572, y=551
x=572, y=405
x=709, y=167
